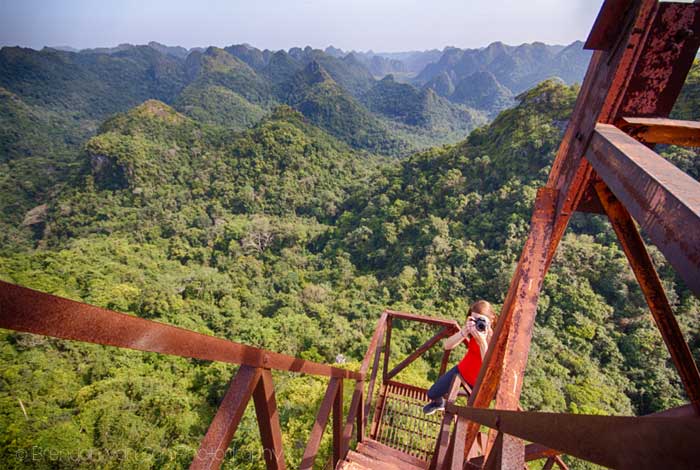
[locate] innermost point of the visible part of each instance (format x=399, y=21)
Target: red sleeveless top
x=470, y=364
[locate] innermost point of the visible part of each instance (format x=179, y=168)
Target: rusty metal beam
x=31, y=311
x=324, y=412
x=338, y=453
x=350, y=422
x=373, y=350
x=548, y=464
x=685, y=411
x=458, y=447
x=423, y=319
x=668, y=53
x=589, y=202
x=374, y=341
x=560, y=463
x=418, y=353
x=607, y=27
x=598, y=100
x=213, y=448
x=613, y=441
x=370, y=388
x=269, y=422
x=532, y=452
x=644, y=271
x=510, y=344
x=508, y=453
x=387, y=348
x=640, y=74
x=662, y=131
x=442, y=444
x=517, y=346
x=664, y=200
x=444, y=361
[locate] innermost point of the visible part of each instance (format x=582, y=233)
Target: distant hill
x=491, y=76
x=235, y=87
x=418, y=107
x=90, y=85
x=481, y=90
x=217, y=67
x=400, y=64
x=329, y=106
x=432, y=97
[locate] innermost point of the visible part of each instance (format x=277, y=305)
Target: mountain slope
x=481, y=90
x=325, y=103
x=214, y=104
x=216, y=67
x=501, y=71
x=90, y=86
x=419, y=108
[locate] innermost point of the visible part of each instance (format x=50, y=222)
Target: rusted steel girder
x=532, y=452
x=508, y=453
x=644, y=271
x=338, y=454
x=213, y=448
x=607, y=27
x=605, y=80
x=664, y=200
x=269, y=422
x=640, y=73
x=506, y=358
x=664, y=62
x=442, y=451
x=640, y=47
x=451, y=324
x=444, y=332
x=662, y=131
x=31, y=311
x=619, y=442
x=324, y=413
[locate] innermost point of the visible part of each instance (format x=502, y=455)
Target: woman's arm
x=481, y=338
x=454, y=340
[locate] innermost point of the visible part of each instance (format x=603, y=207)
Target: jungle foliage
x=283, y=236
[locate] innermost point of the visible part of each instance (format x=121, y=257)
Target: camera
x=481, y=324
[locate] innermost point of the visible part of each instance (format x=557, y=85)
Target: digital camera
x=481, y=324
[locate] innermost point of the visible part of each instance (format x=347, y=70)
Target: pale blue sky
x=381, y=25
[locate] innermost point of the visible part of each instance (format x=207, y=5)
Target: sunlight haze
x=386, y=25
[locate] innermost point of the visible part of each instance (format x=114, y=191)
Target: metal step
x=371, y=455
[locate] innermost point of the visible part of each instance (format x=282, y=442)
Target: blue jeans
x=441, y=387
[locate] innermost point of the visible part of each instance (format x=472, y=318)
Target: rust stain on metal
x=664, y=200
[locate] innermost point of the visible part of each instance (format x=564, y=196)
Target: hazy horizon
x=110, y=46
x=360, y=25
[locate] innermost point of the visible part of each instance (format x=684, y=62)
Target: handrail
x=332, y=401
x=451, y=324
x=31, y=311
x=356, y=412
x=626, y=442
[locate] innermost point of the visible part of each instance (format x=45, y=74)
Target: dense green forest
x=275, y=228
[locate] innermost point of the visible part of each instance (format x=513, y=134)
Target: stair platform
x=371, y=455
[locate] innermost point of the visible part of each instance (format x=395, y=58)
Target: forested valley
x=283, y=200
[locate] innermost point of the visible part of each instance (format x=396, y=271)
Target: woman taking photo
x=476, y=334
